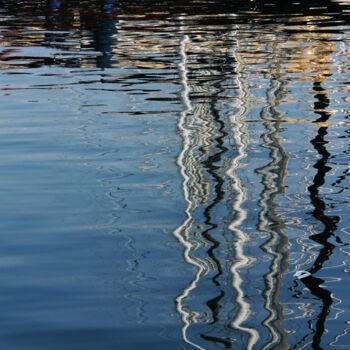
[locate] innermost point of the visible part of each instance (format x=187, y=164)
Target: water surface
x=165, y=169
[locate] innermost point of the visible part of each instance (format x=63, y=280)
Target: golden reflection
x=293, y=121
x=310, y=53
x=139, y=47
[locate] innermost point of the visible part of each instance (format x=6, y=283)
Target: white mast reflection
x=182, y=232
x=273, y=175
x=240, y=134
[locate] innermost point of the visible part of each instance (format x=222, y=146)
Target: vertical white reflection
x=240, y=134
x=273, y=174
x=182, y=232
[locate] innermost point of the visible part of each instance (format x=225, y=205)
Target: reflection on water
x=167, y=167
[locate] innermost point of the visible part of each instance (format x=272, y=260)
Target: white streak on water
x=242, y=261
x=181, y=233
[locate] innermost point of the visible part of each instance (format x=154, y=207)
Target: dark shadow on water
x=314, y=284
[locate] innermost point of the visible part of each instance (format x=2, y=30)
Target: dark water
x=165, y=169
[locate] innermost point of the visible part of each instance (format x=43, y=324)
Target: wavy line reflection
x=314, y=284
x=273, y=175
x=329, y=222
x=241, y=138
x=182, y=232
x=203, y=134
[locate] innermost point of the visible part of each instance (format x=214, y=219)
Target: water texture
x=166, y=167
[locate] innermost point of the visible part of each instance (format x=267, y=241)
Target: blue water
x=167, y=168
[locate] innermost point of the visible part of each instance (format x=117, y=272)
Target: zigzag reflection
x=314, y=284
x=273, y=175
x=240, y=134
x=181, y=232
x=203, y=133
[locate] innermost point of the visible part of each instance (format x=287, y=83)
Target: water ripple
x=168, y=168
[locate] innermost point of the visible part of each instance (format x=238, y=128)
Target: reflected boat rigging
x=203, y=132
x=182, y=232
x=313, y=283
x=273, y=175
x=240, y=238
x=329, y=222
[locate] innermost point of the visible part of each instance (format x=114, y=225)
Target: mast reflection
x=314, y=284
x=203, y=133
x=182, y=232
x=329, y=223
x=240, y=238
x=315, y=62
x=273, y=175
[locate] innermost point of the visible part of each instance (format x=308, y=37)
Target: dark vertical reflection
x=319, y=143
x=211, y=165
x=103, y=35
x=319, y=213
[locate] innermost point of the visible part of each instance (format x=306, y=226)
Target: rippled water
x=165, y=170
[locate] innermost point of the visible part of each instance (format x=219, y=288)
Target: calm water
x=165, y=170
